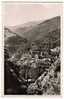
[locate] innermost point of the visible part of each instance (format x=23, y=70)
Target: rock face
x=50, y=81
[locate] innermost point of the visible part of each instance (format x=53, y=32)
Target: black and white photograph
x=32, y=48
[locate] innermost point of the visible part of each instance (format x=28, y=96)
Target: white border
x=2, y=54
x=36, y=0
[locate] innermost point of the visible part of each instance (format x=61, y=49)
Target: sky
x=16, y=13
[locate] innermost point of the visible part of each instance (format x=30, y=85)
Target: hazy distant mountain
x=34, y=31
x=13, y=41
x=8, y=33
x=22, y=28
x=43, y=29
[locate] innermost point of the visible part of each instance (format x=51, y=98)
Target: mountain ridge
x=42, y=32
